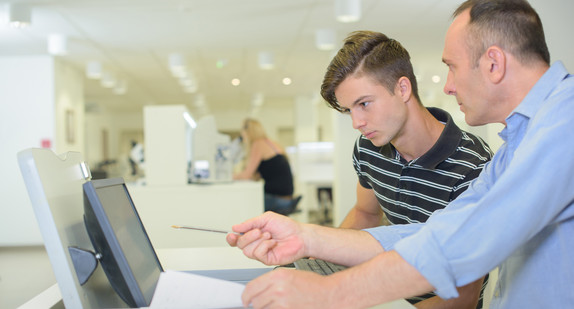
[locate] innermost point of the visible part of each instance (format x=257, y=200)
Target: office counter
x=217, y=206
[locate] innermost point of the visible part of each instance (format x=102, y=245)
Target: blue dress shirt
x=518, y=214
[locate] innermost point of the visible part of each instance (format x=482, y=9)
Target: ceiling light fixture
x=121, y=87
x=19, y=15
x=266, y=60
x=57, y=44
x=189, y=85
x=108, y=80
x=258, y=99
x=191, y=88
x=286, y=81
x=347, y=11
x=177, y=65
x=94, y=70
x=325, y=39
x=200, y=104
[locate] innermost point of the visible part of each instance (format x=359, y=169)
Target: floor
x=24, y=273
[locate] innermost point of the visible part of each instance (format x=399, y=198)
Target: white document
x=185, y=290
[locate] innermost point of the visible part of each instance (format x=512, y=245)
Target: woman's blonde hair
x=253, y=129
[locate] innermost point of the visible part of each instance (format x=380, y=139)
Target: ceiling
x=134, y=38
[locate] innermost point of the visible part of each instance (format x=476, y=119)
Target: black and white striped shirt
x=409, y=192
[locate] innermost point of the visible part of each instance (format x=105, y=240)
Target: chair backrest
x=294, y=203
x=54, y=185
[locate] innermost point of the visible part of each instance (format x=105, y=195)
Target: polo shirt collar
x=445, y=146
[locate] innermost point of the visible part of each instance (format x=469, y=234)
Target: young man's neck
x=420, y=133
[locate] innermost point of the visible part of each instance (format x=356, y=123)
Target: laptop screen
x=117, y=233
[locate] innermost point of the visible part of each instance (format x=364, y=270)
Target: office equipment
x=127, y=255
x=54, y=185
x=181, y=149
x=210, y=153
x=119, y=238
x=321, y=267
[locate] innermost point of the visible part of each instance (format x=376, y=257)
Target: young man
x=518, y=214
x=410, y=160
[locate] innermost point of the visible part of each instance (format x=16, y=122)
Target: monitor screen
x=118, y=235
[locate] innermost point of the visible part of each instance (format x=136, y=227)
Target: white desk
x=190, y=259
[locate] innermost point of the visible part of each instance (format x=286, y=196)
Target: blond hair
x=253, y=129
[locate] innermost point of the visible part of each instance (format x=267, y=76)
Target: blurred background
x=78, y=75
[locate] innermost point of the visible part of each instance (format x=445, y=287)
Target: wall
x=33, y=110
x=271, y=118
x=114, y=126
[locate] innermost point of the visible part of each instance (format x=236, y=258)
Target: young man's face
x=465, y=80
x=379, y=115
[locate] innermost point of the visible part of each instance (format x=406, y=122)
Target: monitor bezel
x=104, y=239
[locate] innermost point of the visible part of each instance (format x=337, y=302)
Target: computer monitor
x=120, y=240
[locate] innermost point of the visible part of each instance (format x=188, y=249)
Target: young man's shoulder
x=475, y=144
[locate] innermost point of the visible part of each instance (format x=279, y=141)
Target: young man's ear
x=495, y=64
x=404, y=88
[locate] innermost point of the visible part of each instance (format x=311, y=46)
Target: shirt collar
x=541, y=90
x=445, y=146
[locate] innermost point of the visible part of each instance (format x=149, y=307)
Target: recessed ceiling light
x=19, y=15
x=348, y=11
x=266, y=61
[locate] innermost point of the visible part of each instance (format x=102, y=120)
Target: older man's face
x=465, y=80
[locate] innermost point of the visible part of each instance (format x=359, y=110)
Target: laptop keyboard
x=318, y=266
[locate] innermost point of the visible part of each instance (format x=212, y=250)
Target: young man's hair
x=512, y=25
x=372, y=54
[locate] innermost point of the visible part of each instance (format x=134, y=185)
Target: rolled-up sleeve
x=388, y=236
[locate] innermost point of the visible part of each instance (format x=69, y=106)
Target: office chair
x=293, y=207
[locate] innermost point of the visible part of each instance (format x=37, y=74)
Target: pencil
x=200, y=229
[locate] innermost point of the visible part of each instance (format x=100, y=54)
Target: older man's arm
x=467, y=299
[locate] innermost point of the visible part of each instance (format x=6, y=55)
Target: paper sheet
x=185, y=290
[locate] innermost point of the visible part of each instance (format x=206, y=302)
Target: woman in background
x=267, y=159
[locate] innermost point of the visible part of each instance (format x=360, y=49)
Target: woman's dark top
x=276, y=173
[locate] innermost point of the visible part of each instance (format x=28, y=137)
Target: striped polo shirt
x=409, y=192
